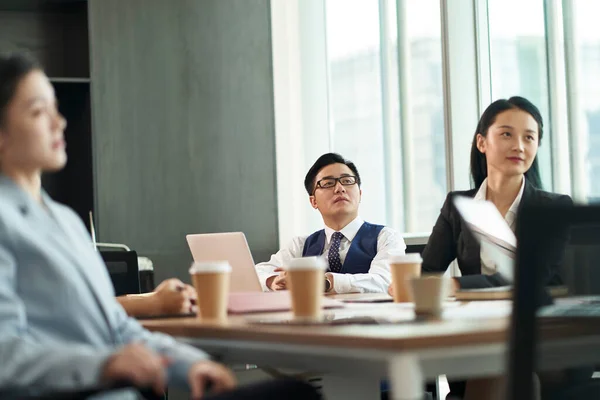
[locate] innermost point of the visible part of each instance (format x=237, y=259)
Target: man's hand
x=278, y=282
x=329, y=277
x=138, y=365
x=206, y=373
x=391, y=290
x=173, y=296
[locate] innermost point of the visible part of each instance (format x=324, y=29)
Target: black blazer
x=450, y=239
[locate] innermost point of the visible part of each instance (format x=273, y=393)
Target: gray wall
x=184, y=142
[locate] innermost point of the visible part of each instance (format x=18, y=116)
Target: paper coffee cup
x=429, y=293
x=306, y=281
x=404, y=267
x=211, y=281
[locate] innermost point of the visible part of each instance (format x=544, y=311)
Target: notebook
x=362, y=297
x=501, y=293
x=495, y=293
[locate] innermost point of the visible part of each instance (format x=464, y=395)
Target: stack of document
x=491, y=230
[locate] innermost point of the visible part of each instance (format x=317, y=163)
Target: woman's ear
x=481, y=144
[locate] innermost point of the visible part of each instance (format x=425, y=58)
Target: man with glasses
x=356, y=250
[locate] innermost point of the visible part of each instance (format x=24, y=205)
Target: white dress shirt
x=488, y=266
x=376, y=280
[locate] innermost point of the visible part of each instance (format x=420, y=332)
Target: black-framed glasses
x=328, y=183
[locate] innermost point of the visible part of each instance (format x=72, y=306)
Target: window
x=518, y=62
x=422, y=114
x=355, y=108
x=344, y=83
x=368, y=79
x=379, y=117
x=585, y=91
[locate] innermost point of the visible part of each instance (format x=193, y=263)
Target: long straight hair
x=478, y=159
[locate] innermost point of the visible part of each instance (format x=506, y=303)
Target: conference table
x=363, y=343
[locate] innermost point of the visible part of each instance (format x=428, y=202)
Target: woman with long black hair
x=504, y=171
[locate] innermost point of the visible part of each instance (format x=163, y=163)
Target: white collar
x=349, y=231
x=482, y=194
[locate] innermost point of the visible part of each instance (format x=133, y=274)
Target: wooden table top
x=463, y=323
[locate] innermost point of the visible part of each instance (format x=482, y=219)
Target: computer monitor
x=568, y=237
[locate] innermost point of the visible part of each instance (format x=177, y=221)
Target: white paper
x=492, y=232
x=485, y=216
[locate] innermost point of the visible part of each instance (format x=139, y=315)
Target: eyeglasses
x=328, y=183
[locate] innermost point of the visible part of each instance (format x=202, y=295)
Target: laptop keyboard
x=571, y=310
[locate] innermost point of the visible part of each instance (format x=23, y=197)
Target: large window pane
x=587, y=37
x=356, y=110
x=519, y=64
x=424, y=110
x=353, y=56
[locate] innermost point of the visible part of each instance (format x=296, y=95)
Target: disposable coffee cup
x=211, y=281
x=306, y=281
x=429, y=293
x=403, y=268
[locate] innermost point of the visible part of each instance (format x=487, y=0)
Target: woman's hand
x=173, y=296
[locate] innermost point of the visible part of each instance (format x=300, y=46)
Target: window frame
x=302, y=107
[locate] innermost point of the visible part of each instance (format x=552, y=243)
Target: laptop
x=246, y=293
x=231, y=247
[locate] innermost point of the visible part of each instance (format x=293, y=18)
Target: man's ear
x=313, y=202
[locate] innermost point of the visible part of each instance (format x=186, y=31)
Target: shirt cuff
x=342, y=283
x=263, y=282
x=87, y=369
x=184, y=356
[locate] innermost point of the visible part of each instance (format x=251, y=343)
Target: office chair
x=121, y=264
x=145, y=267
x=124, y=271
x=123, y=268
x=537, y=230
x=415, y=248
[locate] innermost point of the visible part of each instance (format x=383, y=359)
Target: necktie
x=333, y=257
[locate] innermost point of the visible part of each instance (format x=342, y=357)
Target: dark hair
x=13, y=67
x=478, y=159
x=322, y=162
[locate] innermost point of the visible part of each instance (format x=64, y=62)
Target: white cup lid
x=405, y=258
x=210, y=267
x=307, y=263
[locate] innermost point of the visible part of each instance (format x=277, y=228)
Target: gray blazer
x=59, y=320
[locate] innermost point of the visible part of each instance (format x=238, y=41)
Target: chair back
x=123, y=270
